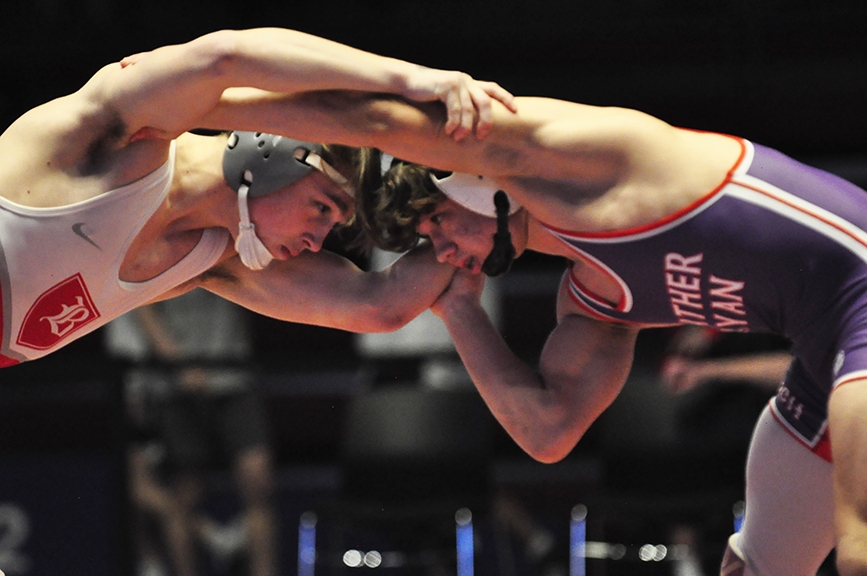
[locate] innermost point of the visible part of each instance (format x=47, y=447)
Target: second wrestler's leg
x=846, y=408
x=789, y=523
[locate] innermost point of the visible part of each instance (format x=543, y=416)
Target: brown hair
x=389, y=213
x=388, y=206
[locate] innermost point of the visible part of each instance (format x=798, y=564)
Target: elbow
x=389, y=321
x=551, y=442
x=371, y=117
x=217, y=53
x=548, y=452
x=383, y=318
x=375, y=115
x=548, y=447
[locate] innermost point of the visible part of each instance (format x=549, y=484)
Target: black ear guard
x=499, y=261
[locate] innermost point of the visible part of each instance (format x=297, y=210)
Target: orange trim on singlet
x=671, y=217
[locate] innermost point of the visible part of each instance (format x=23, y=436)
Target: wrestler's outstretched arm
x=326, y=289
x=167, y=91
x=551, y=155
x=583, y=367
x=170, y=89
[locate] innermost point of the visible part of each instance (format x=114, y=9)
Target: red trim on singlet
x=596, y=315
x=801, y=209
x=849, y=378
x=591, y=311
x=667, y=219
x=822, y=449
x=4, y=360
x=620, y=305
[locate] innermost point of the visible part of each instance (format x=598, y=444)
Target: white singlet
x=60, y=267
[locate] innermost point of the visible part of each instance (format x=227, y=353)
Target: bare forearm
x=174, y=88
x=536, y=415
x=327, y=290
x=411, y=284
x=289, y=61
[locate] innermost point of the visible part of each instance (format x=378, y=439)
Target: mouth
x=470, y=264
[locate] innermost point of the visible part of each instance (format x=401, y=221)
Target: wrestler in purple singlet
x=778, y=247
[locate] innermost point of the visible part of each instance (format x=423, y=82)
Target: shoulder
x=68, y=128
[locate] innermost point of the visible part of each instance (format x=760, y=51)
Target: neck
x=539, y=239
x=200, y=197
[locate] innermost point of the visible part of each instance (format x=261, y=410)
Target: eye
x=436, y=219
x=322, y=207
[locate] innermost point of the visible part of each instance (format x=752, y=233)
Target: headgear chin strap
x=254, y=254
x=484, y=196
x=257, y=164
x=499, y=261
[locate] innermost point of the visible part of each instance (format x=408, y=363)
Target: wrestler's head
x=291, y=194
x=456, y=211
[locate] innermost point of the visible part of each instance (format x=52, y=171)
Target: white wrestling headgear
x=475, y=193
x=274, y=162
x=483, y=196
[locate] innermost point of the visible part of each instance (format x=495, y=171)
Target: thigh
x=789, y=524
x=847, y=409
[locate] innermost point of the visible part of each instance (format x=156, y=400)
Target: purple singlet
x=778, y=247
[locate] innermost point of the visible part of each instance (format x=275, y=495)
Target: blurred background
x=383, y=438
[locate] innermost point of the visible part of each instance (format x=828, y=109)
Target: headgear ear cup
x=499, y=261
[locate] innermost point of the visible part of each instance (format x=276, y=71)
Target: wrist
x=456, y=307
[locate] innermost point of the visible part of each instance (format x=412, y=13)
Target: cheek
x=284, y=223
x=477, y=238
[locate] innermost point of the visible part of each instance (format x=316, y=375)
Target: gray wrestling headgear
x=270, y=159
x=257, y=164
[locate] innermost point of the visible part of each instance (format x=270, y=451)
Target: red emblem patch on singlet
x=60, y=311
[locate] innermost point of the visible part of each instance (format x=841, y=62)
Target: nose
x=443, y=249
x=314, y=238
x=313, y=242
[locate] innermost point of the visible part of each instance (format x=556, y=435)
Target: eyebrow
x=342, y=205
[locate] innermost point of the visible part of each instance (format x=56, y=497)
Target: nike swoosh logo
x=76, y=228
